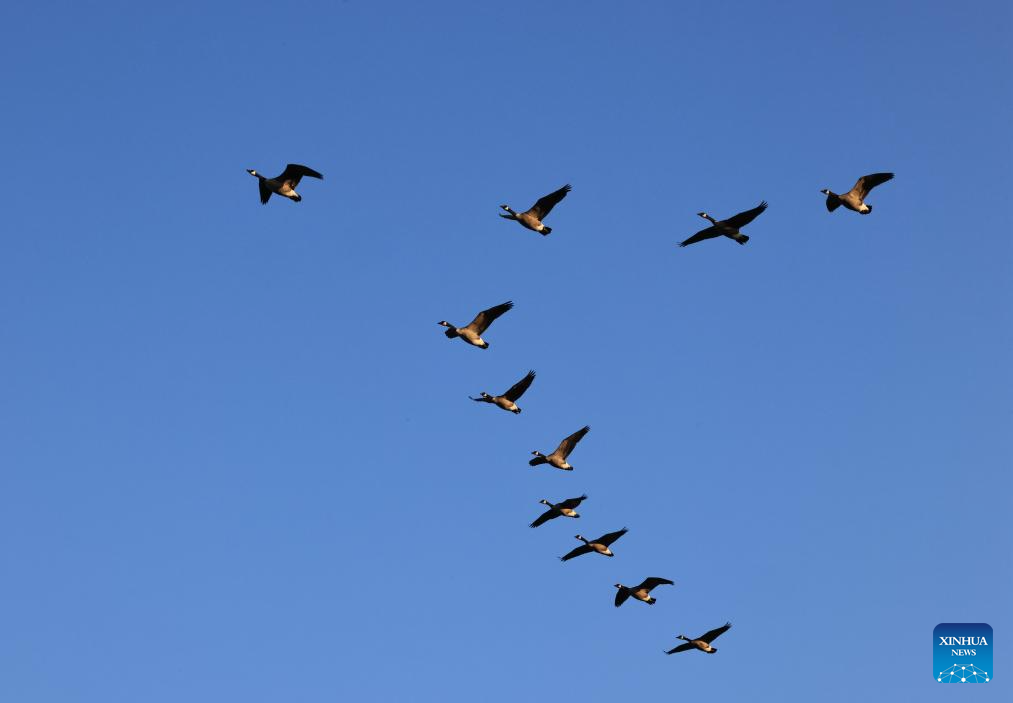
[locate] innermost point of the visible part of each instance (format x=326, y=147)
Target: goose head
x=705, y=216
x=545, y=502
x=444, y=323
x=252, y=172
x=619, y=586
x=537, y=453
x=826, y=191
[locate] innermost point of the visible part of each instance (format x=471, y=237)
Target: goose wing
x=485, y=318
x=744, y=218
x=294, y=172
x=545, y=204
x=265, y=192
x=576, y=552
x=545, y=517
x=571, y=503
x=611, y=537
x=653, y=581
x=567, y=445
x=685, y=647
x=715, y=633
x=703, y=234
x=517, y=390
x=621, y=595
x=866, y=183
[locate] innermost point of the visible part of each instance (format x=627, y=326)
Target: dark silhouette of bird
x=284, y=184
x=729, y=228
x=703, y=642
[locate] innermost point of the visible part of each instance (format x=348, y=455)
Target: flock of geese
x=533, y=218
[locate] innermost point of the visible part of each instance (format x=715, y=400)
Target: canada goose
x=641, y=592
x=506, y=401
x=284, y=184
x=730, y=227
x=558, y=457
x=854, y=199
x=703, y=642
x=565, y=508
x=532, y=218
x=472, y=332
x=600, y=545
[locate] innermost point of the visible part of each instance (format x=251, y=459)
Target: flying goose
x=641, y=592
x=472, y=332
x=703, y=642
x=284, y=185
x=600, y=545
x=558, y=457
x=532, y=218
x=854, y=199
x=730, y=227
x=565, y=508
x=506, y=401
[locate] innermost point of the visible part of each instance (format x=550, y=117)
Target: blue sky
x=238, y=457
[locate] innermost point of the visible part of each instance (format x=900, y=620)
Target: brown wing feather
x=866, y=183
x=700, y=236
x=485, y=318
x=611, y=537
x=545, y=517
x=567, y=445
x=545, y=204
x=293, y=173
x=715, y=633
x=654, y=581
x=576, y=552
x=685, y=647
x=745, y=217
x=517, y=390
x=571, y=503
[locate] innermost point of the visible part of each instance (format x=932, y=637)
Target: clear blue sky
x=238, y=458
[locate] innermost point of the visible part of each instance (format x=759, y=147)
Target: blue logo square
x=962, y=652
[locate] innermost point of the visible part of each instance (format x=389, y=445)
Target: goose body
x=558, y=457
x=566, y=508
x=472, y=332
x=729, y=228
x=641, y=592
x=854, y=199
x=703, y=642
x=533, y=216
x=600, y=545
x=283, y=184
x=508, y=401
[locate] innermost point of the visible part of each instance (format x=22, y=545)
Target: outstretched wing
x=833, y=202
x=681, y=648
x=567, y=445
x=294, y=172
x=611, y=537
x=538, y=461
x=582, y=549
x=545, y=517
x=544, y=205
x=653, y=581
x=621, y=595
x=744, y=218
x=715, y=633
x=265, y=192
x=703, y=234
x=517, y=390
x=867, y=183
x=485, y=318
x=570, y=503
